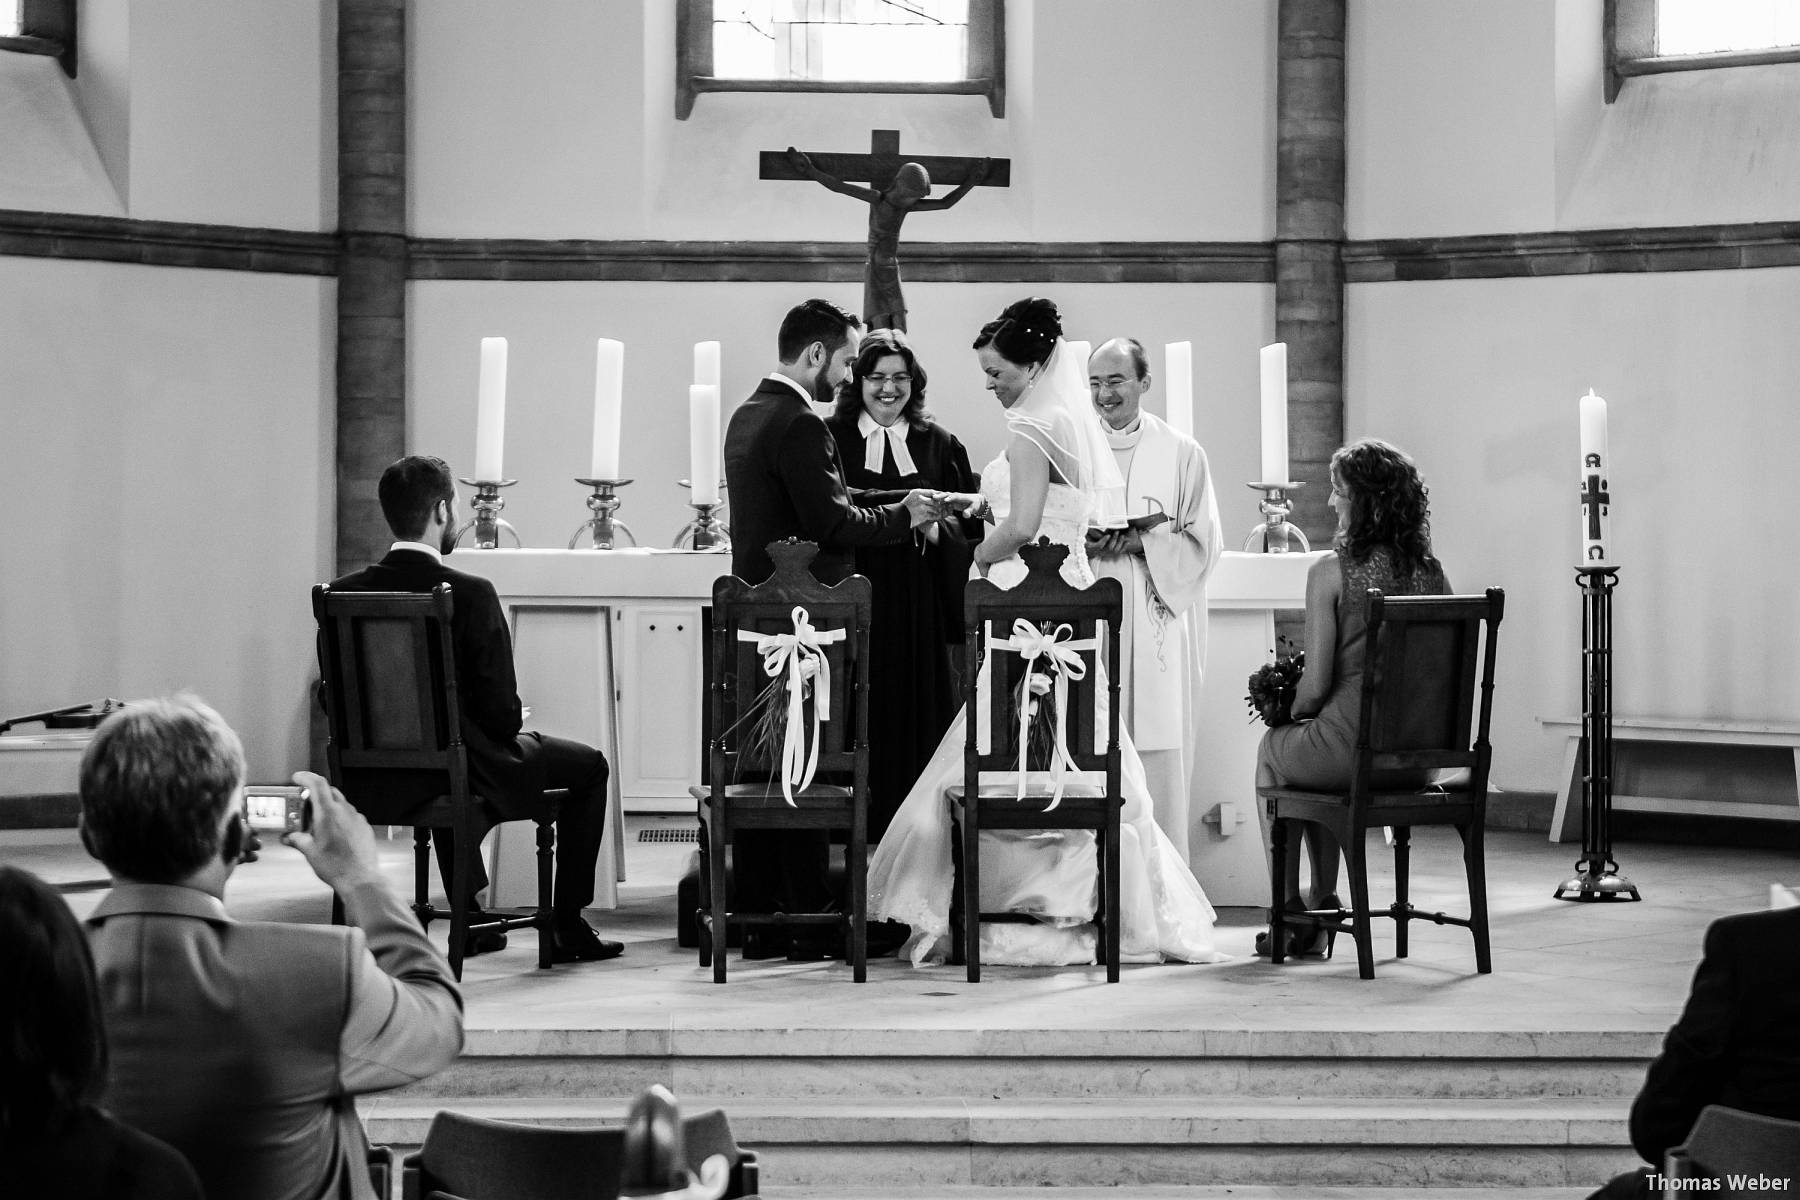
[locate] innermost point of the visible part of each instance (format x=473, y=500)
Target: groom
x=784, y=478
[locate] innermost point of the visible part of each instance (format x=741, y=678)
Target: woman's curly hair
x=878, y=345
x=1389, y=505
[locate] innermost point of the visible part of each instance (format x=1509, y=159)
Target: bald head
x=1118, y=377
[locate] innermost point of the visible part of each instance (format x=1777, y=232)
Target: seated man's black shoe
x=815, y=944
x=576, y=941
x=483, y=941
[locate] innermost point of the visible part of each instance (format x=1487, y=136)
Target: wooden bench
x=1645, y=748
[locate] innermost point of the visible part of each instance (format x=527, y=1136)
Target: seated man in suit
x=1737, y=1042
x=244, y=1044
x=510, y=767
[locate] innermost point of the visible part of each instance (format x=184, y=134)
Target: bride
x=1056, y=471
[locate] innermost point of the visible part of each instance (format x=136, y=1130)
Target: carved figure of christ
x=897, y=186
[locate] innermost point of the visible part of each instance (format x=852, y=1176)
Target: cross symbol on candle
x=1594, y=498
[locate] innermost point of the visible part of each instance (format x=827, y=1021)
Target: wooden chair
x=391, y=705
x=473, y=1158
x=708, y=1133
x=744, y=787
x=1727, y=1143
x=1086, y=617
x=1428, y=663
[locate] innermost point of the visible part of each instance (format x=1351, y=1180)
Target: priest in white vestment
x=1163, y=571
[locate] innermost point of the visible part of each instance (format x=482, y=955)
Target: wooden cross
x=878, y=167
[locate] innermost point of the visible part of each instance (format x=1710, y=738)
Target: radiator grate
x=690, y=834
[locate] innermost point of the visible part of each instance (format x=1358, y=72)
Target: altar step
x=838, y=1109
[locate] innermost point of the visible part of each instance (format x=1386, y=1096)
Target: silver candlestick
x=605, y=532
x=705, y=531
x=1275, y=531
x=487, y=522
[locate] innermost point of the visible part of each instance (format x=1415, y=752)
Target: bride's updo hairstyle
x=1389, y=504
x=1025, y=332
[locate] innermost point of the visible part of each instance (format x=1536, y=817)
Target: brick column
x=371, y=323
x=1309, y=240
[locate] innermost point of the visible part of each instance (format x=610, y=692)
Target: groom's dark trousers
x=784, y=479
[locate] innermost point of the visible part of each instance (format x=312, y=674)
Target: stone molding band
x=1484, y=256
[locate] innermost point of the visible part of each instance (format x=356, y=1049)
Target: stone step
x=1101, y=1142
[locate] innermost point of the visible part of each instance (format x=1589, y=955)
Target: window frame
x=986, y=63
x=46, y=27
x=1631, y=48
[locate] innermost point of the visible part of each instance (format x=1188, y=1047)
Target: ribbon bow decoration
x=801, y=657
x=1052, y=659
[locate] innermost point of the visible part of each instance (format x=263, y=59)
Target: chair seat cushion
x=761, y=795
x=1033, y=792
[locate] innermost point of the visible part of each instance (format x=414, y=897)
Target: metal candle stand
x=603, y=531
x=487, y=522
x=1275, y=531
x=705, y=532
x=1597, y=875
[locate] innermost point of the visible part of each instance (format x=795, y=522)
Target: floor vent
x=690, y=834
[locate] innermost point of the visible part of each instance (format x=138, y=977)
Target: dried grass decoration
x=1052, y=658
x=1273, y=686
x=798, y=670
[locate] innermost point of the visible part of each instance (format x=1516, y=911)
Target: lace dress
x=1049, y=874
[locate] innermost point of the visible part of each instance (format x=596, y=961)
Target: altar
x=607, y=649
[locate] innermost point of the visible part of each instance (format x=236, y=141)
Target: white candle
x=703, y=443
x=1178, y=376
x=1596, y=489
x=1274, y=414
x=609, y=398
x=706, y=363
x=490, y=410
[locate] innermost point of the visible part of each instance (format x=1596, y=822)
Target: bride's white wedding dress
x=1050, y=874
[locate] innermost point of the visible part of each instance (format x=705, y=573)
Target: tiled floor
x=1559, y=966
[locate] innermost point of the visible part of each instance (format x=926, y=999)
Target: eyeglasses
x=899, y=379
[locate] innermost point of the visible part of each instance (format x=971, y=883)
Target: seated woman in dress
x=54, y=1138
x=1383, y=541
x=1047, y=482
x=889, y=445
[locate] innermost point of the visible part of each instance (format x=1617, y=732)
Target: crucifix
x=1594, y=502
x=897, y=186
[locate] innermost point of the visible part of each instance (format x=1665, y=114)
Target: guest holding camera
x=244, y=1044
x=55, y=1139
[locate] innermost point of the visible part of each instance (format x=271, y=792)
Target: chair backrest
x=389, y=677
x=1727, y=1142
x=739, y=695
x=705, y=1134
x=1087, y=618
x=481, y=1159
x=1428, y=683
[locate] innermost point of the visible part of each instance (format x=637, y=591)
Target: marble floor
x=1558, y=966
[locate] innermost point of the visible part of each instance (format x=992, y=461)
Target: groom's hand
x=924, y=506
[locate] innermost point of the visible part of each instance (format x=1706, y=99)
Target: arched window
x=1645, y=37
x=40, y=27
x=913, y=46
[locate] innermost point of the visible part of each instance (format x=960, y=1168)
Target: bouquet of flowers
x=1272, y=688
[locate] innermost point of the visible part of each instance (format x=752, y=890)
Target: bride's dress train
x=1049, y=874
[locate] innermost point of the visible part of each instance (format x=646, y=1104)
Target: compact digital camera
x=278, y=808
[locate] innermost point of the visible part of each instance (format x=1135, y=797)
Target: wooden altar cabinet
x=607, y=648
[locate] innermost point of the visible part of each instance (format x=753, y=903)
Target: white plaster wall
x=1126, y=119
x=551, y=329
x=1479, y=381
x=168, y=454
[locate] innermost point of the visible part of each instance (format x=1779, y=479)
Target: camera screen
x=266, y=805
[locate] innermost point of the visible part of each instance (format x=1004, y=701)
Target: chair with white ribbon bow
x=787, y=736
x=1050, y=761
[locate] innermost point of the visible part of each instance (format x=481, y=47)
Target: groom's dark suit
x=508, y=766
x=784, y=479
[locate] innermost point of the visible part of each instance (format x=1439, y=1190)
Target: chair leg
x=857, y=867
x=1402, y=909
x=458, y=887
x=971, y=886
x=1110, y=835
x=703, y=910
x=546, y=917
x=422, y=876
x=1280, y=829
x=1356, y=861
x=719, y=841
x=1475, y=866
